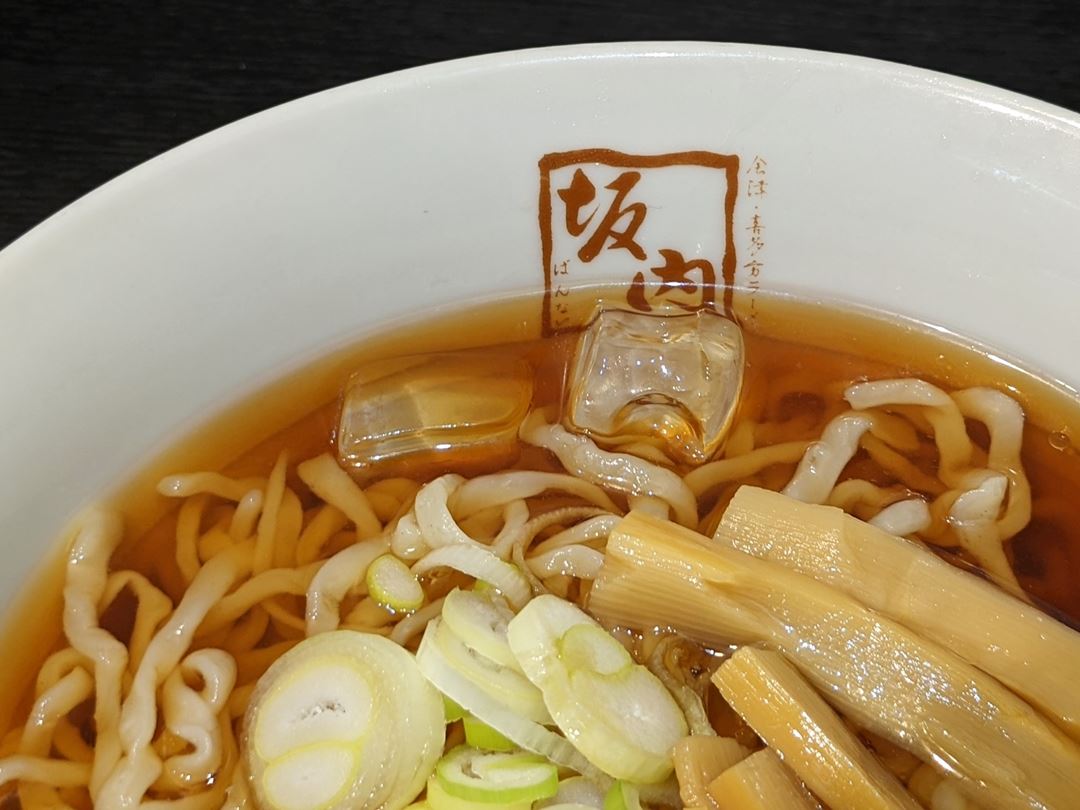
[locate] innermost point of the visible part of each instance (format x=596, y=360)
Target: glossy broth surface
x=799, y=356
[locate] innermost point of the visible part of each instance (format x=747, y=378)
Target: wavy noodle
x=152, y=608
x=656, y=507
x=499, y=489
x=709, y=476
x=485, y=524
x=69, y=743
x=431, y=507
x=741, y=439
x=57, y=665
x=892, y=430
x=589, y=530
x=520, y=541
x=1004, y=420
x=900, y=467
x=290, y=522
x=337, y=577
x=950, y=434
x=903, y=518
x=51, y=705
x=245, y=516
x=53, y=772
x=406, y=540
x=265, y=566
x=618, y=471
x=515, y=515
x=139, y=766
x=974, y=519
x=332, y=484
x=856, y=492
x=87, y=580
x=578, y=561
x=263, y=586
x=209, y=483
x=188, y=522
x=368, y=616
x=643, y=450
x=214, y=541
x=327, y=522
x=826, y=458
x=192, y=715
x=247, y=631
x=266, y=531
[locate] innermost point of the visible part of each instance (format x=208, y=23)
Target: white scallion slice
x=575, y=791
x=508, y=686
x=439, y=799
x=524, y=733
x=480, y=620
x=616, y=712
x=312, y=734
x=496, y=778
x=622, y=796
x=393, y=585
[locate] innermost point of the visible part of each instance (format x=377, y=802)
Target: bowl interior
x=135, y=313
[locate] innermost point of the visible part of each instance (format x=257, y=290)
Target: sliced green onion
x=393, y=585
x=614, y=711
x=480, y=735
x=480, y=620
x=452, y=710
x=439, y=799
x=575, y=791
x=496, y=778
x=508, y=686
x=622, y=796
x=311, y=734
x=525, y=733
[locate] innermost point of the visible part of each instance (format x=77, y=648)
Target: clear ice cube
x=667, y=379
x=423, y=415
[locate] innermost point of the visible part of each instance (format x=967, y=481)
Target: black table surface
x=89, y=89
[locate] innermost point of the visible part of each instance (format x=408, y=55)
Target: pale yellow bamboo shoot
x=786, y=712
x=1030, y=652
x=699, y=760
x=883, y=676
x=760, y=782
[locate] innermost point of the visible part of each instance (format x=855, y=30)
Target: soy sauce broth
x=808, y=351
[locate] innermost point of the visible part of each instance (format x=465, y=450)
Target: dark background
x=89, y=89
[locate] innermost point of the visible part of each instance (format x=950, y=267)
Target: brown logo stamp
x=662, y=225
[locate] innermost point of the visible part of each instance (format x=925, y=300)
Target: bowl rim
x=990, y=97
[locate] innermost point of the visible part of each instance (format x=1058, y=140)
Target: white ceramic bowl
x=129, y=316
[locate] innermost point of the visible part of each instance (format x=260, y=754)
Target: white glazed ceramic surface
x=177, y=288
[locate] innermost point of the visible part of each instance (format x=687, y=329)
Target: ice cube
x=422, y=415
x=668, y=378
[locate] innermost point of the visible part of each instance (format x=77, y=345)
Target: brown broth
x=813, y=347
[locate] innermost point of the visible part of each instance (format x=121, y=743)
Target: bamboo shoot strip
x=760, y=782
x=786, y=712
x=880, y=674
x=1030, y=652
x=699, y=760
